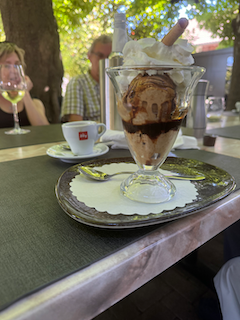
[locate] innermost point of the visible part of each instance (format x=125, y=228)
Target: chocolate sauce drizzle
x=153, y=130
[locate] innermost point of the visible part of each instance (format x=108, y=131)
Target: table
x=38, y=135
x=79, y=282
x=228, y=134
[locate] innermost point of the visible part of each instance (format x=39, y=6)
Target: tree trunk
x=32, y=26
x=234, y=92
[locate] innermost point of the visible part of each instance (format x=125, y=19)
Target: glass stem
x=15, y=117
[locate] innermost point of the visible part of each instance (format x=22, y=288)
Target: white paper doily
x=106, y=195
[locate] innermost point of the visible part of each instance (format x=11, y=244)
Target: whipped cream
x=150, y=52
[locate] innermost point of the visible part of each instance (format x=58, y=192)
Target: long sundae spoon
x=102, y=176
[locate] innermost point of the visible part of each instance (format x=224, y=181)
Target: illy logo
x=83, y=135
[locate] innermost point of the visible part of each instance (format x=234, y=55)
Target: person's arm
x=34, y=108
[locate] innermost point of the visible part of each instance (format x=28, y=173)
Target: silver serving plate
x=217, y=185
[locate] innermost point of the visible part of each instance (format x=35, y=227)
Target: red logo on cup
x=83, y=135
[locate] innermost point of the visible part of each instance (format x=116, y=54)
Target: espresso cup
x=81, y=135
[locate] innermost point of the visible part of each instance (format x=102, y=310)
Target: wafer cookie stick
x=176, y=31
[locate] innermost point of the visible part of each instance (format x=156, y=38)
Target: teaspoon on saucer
x=102, y=176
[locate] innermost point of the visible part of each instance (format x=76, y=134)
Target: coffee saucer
x=59, y=152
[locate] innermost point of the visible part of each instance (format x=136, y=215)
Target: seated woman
x=31, y=111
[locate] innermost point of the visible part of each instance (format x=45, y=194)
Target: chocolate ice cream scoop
x=149, y=99
x=151, y=119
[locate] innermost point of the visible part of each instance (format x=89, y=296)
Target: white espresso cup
x=81, y=135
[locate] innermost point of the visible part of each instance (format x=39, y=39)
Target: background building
x=218, y=63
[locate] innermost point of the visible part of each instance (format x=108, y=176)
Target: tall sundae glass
x=152, y=101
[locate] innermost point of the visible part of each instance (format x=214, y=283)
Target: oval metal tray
x=217, y=185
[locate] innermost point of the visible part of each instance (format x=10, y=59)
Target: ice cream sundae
x=153, y=89
x=149, y=108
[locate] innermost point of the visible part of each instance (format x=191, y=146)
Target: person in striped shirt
x=82, y=97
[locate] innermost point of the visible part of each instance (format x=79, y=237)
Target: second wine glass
x=12, y=88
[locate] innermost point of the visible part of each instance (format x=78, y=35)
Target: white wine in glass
x=12, y=88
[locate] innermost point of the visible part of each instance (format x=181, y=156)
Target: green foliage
x=80, y=21
x=216, y=16
x=151, y=21
x=69, y=13
x=77, y=35
x=78, y=27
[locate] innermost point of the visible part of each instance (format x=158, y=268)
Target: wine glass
x=215, y=108
x=152, y=102
x=12, y=88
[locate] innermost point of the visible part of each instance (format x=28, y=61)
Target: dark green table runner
x=37, y=135
x=226, y=132
x=39, y=243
